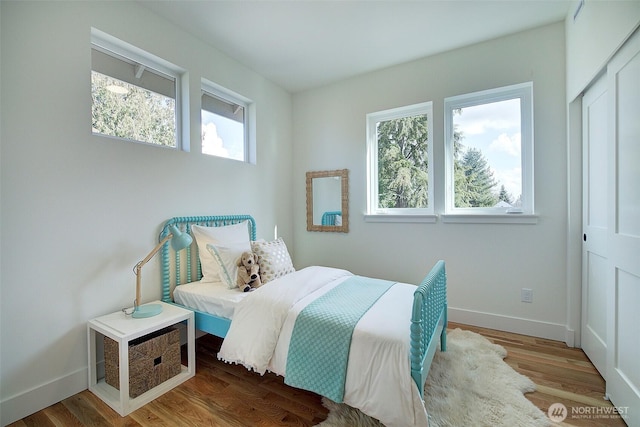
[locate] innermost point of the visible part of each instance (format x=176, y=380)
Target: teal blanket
x=321, y=337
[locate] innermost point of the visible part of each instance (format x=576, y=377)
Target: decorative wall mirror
x=328, y=201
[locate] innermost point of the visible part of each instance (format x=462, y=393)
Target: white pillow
x=274, y=259
x=227, y=259
x=217, y=236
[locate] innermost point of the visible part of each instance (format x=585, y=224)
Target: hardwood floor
x=228, y=395
x=562, y=375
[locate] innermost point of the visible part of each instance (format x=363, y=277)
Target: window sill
x=490, y=218
x=430, y=218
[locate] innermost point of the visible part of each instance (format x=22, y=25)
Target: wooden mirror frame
x=342, y=173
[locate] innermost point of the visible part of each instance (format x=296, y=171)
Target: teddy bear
x=248, y=272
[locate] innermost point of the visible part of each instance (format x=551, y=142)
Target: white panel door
x=623, y=335
x=594, y=219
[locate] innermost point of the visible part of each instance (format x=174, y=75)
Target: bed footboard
x=428, y=322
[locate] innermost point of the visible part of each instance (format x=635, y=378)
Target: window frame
x=374, y=213
x=524, y=92
x=215, y=90
x=123, y=51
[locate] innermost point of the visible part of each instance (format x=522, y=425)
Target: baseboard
x=17, y=407
x=517, y=325
x=570, y=338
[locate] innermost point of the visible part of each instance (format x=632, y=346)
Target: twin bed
x=394, y=328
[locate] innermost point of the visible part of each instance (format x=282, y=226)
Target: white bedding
x=209, y=297
x=379, y=374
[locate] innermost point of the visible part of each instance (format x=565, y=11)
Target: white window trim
x=107, y=43
x=214, y=89
x=413, y=218
x=480, y=218
x=373, y=213
x=524, y=91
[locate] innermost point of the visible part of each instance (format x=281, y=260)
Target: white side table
x=123, y=329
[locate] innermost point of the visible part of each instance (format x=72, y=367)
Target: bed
x=392, y=342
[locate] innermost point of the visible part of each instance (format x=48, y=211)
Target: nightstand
x=123, y=329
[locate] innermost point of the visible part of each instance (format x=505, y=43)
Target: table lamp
x=179, y=241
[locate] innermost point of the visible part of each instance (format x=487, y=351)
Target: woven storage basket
x=153, y=359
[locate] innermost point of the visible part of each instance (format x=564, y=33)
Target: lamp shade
x=179, y=240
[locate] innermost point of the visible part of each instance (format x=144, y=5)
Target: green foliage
x=505, y=196
x=473, y=179
x=403, y=163
x=138, y=115
x=475, y=189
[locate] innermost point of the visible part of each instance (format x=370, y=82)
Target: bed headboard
x=184, y=266
x=329, y=218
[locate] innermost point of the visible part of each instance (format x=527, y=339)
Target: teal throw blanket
x=321, y=337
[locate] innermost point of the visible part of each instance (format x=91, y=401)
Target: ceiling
x=301, y=44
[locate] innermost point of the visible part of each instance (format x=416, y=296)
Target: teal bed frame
x=329, y=218
x=429, y=311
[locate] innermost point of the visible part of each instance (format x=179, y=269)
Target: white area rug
x=468, y=385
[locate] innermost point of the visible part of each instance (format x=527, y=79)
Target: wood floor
x=228, y=395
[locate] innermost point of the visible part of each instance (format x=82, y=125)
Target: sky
x=495, y=130
x=222, y=137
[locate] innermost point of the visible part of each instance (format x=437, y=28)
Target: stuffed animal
x=248, y=272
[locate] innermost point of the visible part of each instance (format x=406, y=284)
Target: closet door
x=594, y=220
x=623, y=335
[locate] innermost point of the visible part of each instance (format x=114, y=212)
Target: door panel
x=594, y=253
x=597, y=297
x=628, y=129
x=628, y=325
x=623, y=309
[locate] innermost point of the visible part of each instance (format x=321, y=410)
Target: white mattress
x=213, y=298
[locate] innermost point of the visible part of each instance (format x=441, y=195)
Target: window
x=226, y=124
x=489, y=151
x=135, y=96
x=399, y=158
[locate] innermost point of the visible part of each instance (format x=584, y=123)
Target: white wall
x=594, y=36
x=79, y=211
x=487, y=264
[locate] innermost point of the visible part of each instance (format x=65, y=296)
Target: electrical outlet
x=526, y=295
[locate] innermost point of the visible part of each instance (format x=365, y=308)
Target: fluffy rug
x=468, y=385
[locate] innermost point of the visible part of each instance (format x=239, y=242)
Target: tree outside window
x=489, y=151
x=126, y=111
x=400, y=152
x=135, y=95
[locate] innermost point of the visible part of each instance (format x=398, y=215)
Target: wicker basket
x=153, y=359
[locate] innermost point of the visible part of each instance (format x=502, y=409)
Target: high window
x=226, y=124
x=489, y=151
x=135, y=96
x=400, y=179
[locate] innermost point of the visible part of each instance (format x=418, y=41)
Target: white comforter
x=379, y=374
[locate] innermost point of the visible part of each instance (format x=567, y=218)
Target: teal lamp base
x=148, y=310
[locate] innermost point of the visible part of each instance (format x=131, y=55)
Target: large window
x=135, y=96
x=489, y=151
x=226, y=124
x=399, y=160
